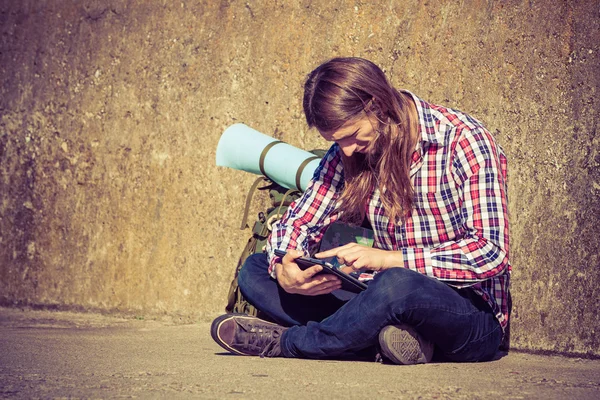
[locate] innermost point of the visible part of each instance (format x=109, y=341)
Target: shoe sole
x=402, y=345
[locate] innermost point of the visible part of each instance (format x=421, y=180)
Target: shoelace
x=260, y=338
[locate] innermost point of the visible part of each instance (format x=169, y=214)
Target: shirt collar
x=429, y=123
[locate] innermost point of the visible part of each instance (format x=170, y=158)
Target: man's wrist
x=273, y=267
x=394, y=259
x=276, y=269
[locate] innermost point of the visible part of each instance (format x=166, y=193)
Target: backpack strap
x=263, y=155
x=290, y=191
x=301, y=169
x=249, y=200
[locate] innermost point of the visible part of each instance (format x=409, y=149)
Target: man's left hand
x=357, y=257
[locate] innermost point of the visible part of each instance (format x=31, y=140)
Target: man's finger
x=351, y=254
x=325, y=279
x=312, y=271
x=291, y=256
x=324, y=291
x=326, y=253
x=334, y=251
x=325, y=288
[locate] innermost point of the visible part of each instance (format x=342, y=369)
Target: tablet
x=349, y=283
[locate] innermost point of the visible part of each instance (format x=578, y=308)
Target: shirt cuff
x=274, y=260
x=418, y=259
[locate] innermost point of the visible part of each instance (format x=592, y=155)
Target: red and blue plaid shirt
x=458, y=229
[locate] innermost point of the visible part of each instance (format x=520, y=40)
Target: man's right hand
x=294, y=280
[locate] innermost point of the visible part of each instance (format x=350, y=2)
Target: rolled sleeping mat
x=243, y=148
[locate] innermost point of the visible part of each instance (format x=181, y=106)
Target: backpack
x=280, y=199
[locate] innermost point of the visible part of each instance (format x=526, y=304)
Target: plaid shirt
x=458, y=229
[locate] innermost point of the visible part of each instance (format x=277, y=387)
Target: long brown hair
x=346, y=89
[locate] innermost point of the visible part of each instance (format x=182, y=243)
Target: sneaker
x=248, y=336
x=402, y=345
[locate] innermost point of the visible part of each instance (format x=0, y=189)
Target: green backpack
x=280, y=199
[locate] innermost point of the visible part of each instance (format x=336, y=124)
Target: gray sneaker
x=246, y=335
x=402, y=345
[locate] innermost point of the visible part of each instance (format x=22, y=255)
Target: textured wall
x=111, y=112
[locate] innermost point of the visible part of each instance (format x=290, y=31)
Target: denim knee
x=401, y=289
x=254, y=266
x=398, y=280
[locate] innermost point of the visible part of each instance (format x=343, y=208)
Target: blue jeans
x=345, y=325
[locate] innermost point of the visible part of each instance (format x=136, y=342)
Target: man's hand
x=293, y=280
x=357, y=257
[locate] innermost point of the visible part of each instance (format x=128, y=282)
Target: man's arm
x=479, y=170
x=307, y=218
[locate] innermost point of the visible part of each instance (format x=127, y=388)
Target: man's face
x=356, y=136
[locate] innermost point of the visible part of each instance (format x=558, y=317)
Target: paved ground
x=67, y=355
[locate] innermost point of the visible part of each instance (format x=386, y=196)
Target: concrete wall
x=111, y=111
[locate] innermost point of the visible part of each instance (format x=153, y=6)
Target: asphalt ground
x=50, y=355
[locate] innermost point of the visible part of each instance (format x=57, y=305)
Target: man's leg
x=286, y=309
x=461, y=328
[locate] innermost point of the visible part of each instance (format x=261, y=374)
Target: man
x=432, y=183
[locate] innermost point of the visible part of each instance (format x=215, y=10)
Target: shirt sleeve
x=481, y=252
x=305, y=221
